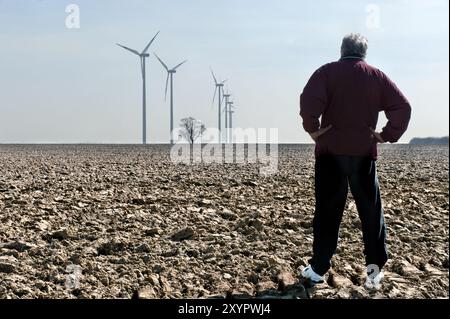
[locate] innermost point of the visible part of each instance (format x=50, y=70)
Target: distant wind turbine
x=225, y=110
x=170, y=73
x=219, y=87
x=231, y=109
x=142, y=57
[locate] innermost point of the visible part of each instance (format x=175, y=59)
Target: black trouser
x=333, y=176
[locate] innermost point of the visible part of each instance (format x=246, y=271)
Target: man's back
x=349, y=94
x=339, y=107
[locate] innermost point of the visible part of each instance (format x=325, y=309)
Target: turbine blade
x=223, y=82
x=161, y=61
x=126, y=48
x=167, y=85
x=214, y=97
x=148, y=45
x=180, y=65
x=214, y=77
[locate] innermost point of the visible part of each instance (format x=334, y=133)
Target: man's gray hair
x=354, y=44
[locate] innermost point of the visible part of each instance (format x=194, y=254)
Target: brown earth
x=123, y=222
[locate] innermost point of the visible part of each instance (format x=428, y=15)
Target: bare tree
x=191, y=129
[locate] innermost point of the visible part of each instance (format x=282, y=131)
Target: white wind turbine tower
x=225, y=110
x=219, y=87
x=142, y=57
x=231, y=109
x=170, y=73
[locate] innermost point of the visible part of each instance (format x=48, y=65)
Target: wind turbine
x=142, y=57
x=231, y=108
x=170, y=73
x=219, y=87
x=225, y=110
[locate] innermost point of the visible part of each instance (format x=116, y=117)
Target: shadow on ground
x=298, y=290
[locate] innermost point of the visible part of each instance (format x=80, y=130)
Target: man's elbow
x=393, y=134
x=407, y=119
x=408, y=111
x=310, y=125
x=398, y=126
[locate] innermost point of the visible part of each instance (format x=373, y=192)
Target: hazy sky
x=74, y=85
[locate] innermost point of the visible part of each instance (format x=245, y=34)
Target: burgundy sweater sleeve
x=313, y=101
x=397, y=110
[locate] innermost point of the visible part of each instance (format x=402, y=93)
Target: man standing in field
x=339, y=107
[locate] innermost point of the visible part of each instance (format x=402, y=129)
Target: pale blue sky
x=67, y=86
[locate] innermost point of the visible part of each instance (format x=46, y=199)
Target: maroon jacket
x=349, y=94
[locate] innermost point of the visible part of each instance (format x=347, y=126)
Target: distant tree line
x=429, y=141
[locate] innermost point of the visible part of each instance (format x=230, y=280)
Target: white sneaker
x=310, y=274
x=374, y=283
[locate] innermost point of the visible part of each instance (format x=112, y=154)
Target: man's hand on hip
x=377, y=136
x=320, y=132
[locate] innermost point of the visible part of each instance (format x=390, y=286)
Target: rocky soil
x=124, y=222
